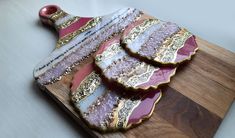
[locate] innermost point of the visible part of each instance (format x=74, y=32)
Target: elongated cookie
x=159, y=41
x=79, y=38
x=109, y=109
x=117, y=66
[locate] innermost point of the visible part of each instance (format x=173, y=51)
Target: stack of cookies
x=118, y=63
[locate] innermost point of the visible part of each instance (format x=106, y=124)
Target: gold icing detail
x=168, y=50
x=139, y=75
x=109, y=52
x=142, y=78
x=120, y=114
x=86, y=87
x=92, y=109
x=70, y=36
x=136, y=31
x=116, y=111
x=57, y=15
x=111, y=118
x=125, y=111
x=68, y=23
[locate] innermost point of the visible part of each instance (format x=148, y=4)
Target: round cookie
x=117, y=66
x=159, y=41
x=107, y=109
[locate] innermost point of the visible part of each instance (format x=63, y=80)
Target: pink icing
x=81, y=75
x=160, y=76
x=145, y=107
x=73, y=27
x=105, y=45
x=131, y=26
x=188, y=49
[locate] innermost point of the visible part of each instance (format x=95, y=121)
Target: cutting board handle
x=49, y=14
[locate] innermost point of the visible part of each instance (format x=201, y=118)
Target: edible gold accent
x=168, y=50
x=86, y=87
x=57, y=15
x=68, y=23
x=142, y=78
x=125, y=111
x=109, y=52
x=135, y=78
x=136, y=31
x=70, y=36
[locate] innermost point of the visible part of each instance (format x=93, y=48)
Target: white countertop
x=27, y=112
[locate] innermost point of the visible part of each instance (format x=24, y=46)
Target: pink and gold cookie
x=117, y=66
x=159, y=41
x=108, y=108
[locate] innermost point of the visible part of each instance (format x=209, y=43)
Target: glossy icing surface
x=159, y=41
x=116, y=65
x=79, y=38
x=107, y=108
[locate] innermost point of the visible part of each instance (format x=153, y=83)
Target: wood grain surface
x=193, y=104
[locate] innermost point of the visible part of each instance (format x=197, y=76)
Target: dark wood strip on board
x=186, y=115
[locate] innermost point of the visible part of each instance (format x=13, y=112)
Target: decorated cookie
x=106, y=108
x=117, y=66
x=159, y=41
x=79, y=38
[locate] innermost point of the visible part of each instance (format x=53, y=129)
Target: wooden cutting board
x=193, y=104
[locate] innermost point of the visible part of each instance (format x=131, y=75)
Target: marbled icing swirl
x=82, y=45
x=106, y=108
x=117, y=66
x=159, y=42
